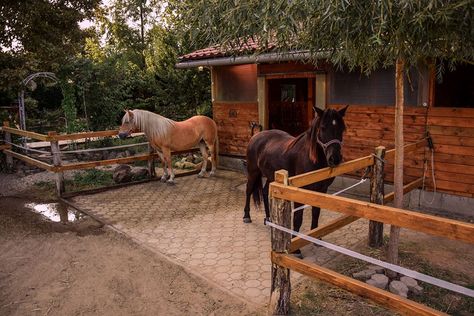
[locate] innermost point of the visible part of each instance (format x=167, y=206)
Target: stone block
x=398, y=288
x=378, y=280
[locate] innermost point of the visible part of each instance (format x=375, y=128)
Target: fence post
x=280, y=215
x=55, y=151
x=151, y=162
x=376, y=196
x=8, y=140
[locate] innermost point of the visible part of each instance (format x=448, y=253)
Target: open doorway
x=290, y=104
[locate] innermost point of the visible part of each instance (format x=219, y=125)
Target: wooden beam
x=424, y=223
x=76, y=136
x=315, y=176
x=323, y=230
x=25, y=133
x=390, y=154
x=406, y=188
x=93, y=164
x=31, y=161
x=397, y=303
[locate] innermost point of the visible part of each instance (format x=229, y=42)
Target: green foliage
x=92, y=178
x=364, y=34
x=69, y=107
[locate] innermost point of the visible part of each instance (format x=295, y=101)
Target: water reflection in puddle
x=56, y=212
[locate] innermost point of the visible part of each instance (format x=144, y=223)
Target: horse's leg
x=252, y=181
x=297, y=221
x=167, y=156
x=315, y=217
x=164, y=177
x=265, y=200
x=203, y=149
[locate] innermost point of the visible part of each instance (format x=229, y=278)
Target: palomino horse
x=268, y=151
x=166, y=135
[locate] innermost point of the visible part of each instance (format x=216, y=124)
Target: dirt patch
x=49, y=268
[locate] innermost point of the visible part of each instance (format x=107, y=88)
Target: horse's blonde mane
x=152, y=124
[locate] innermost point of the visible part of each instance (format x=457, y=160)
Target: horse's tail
x=216, y=148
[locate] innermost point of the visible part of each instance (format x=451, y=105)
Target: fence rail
x=58, y=167
x=288, y=189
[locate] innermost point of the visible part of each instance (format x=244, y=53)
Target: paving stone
x=199, y=222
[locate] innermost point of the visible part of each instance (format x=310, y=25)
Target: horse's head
x=327, y=132
x=128, y=125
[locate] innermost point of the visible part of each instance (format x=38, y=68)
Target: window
x=376, y=89
x=236, y=83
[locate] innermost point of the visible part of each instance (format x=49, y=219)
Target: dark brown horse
x=268, y=151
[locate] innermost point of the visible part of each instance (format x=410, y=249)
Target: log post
x=376, y=196
x=55, y=152
x=280, y=215
x=151, y=163
x=8, y=140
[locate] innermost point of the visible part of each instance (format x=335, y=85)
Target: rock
x=412, y=285
x=378, y=280
x=377, y=269
x=364, y=274
x=112, y=155
x=122, y=174
x=189, y=165
x=179, y=164
x=398, y=288
x=189, y=158
x=139, y=173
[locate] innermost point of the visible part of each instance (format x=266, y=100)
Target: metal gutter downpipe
x=252, y=59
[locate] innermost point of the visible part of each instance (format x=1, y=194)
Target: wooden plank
x=315, y=176
x=323, y=230
x=25, y=133
x=449, y=130
x=398, y=303
x=452, y=112
x=93, y=164
x=75, y=136
x=29, y=160
x=390, y=154
x=424, y=223
x=450, y=121
x=454, y=150
x=406, y=188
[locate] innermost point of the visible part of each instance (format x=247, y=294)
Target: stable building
x=278, y=90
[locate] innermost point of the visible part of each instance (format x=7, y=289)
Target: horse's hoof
x=170, y=182
x=212, y=173
x=265, y=220
x=297, y=254
x=247, y=220
x=201, y=174
x=163, y=179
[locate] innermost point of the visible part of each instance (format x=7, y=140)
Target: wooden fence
x=286, y=189
x=58, y=167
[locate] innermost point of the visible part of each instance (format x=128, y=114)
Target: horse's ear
x=318, y=111
x=342, y=111
x=130, y=114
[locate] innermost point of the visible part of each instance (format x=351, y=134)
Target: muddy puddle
x=56, y=212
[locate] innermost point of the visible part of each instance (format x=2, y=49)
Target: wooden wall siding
x=233, y=124
x=452, y=130
x=289, y=67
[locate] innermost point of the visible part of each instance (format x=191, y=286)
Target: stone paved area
x=198, y=223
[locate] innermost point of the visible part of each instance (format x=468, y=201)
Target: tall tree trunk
x=398, y=177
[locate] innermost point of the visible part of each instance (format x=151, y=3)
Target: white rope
x=422, y=192
x=335, y=193
x=29, y=149
x=413, y=274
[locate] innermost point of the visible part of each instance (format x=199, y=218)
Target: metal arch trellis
x=21, y=96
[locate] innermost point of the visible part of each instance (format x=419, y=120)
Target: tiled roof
x=215, y=51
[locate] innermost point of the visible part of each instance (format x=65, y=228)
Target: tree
x=358, y=34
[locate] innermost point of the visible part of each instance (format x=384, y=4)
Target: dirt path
x=50, y=268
